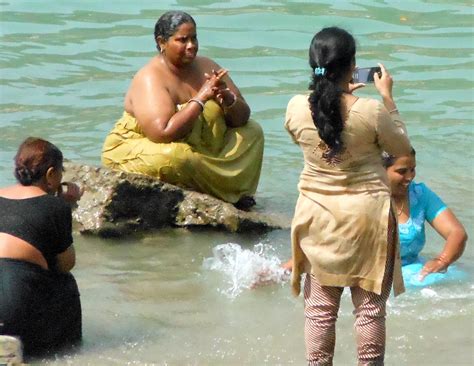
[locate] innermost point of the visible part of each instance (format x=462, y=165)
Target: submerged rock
x=117, y=203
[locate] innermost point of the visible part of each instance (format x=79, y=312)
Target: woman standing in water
x=186, y=122
x=344, y=230
x=39, y=298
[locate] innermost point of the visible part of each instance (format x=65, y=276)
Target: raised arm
x=391, y=131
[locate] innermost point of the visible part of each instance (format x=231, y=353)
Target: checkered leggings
x=321, y=308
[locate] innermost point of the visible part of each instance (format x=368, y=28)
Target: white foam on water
x=428, y=293
x=245, y=268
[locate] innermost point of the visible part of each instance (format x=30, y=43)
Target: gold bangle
x=443, y=261
x=231, y=105
x=198, y=102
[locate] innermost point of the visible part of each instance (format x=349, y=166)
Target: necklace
x=399, y=211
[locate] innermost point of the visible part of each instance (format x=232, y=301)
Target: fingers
x=73, y=191
x=214, y=85
x=216, y=75
x=222, y=91
x=431, y=266
x=219, y=74
x=356, y=86
x=384, y=72
x=382, y=68
x=376, y=77
x=423, y=274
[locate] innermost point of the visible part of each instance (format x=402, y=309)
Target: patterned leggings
x=321, y=308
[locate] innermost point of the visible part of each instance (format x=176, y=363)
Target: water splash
x=428, y=293
x=244, y=268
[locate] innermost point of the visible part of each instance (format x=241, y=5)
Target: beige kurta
x=339, y=229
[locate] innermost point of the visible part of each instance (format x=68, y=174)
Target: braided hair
x=331, y=54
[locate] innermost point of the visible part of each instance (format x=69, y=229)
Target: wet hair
x=33, y=159
x=169, y=22
x=334, y=50
x=388, y=160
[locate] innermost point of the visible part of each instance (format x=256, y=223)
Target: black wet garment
x=44, y=222
x=39, y=306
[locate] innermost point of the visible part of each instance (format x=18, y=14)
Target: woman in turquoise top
x=415, y=203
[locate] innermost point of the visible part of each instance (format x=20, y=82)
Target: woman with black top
x=39, y=298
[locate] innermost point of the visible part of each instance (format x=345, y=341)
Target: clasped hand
x=216, y=88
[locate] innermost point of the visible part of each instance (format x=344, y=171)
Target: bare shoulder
x=205, y=64
x=8, y=192
x=149, y=72
x=149, y=79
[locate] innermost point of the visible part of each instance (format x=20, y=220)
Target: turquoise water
x=65, y=67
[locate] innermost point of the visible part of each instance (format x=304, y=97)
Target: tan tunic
x=339, y=229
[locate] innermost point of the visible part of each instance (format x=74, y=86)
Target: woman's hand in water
x=433, y=266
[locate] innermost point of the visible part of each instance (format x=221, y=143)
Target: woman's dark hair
x=33, y=159
x=388, y=160
x=166, y=26
x=331, y=54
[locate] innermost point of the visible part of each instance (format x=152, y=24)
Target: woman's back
x=357, y=168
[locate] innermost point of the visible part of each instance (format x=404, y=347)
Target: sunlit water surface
x=172, y=297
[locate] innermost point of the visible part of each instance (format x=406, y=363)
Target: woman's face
x=181, y=48
x=401, y=173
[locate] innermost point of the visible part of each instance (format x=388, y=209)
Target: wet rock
x=117, y=203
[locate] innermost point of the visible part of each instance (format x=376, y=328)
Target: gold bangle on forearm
x=442, y=260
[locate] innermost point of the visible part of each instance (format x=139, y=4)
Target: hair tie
x=319, y=71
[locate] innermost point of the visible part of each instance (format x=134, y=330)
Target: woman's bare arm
x=449, y=227
x=156, y=112
x=66, y=260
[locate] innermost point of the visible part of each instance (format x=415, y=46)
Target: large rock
x=117, y=203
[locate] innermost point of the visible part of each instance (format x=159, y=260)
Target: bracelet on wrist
x=231, y=105
x=201, y=104
x=443, y=261
x=394, y=110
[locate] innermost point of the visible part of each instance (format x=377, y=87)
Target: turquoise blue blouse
x=424, y=205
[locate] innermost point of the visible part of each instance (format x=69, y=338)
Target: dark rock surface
x=117, y=203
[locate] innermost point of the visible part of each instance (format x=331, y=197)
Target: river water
x=172, y=297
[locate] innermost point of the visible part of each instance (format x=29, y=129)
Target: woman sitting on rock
x=39, y=298
x=185, y=122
